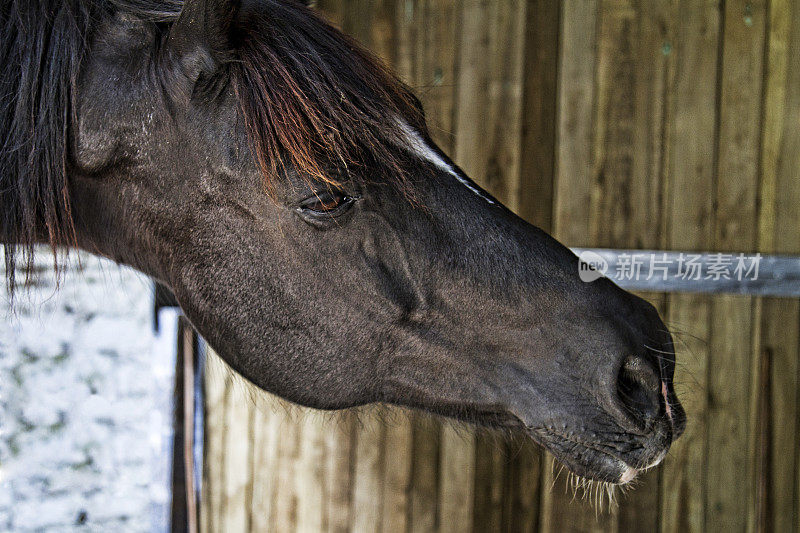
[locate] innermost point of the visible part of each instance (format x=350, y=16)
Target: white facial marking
x=419, y=147
x=628, y=475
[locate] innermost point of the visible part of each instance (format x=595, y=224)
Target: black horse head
x=284, y=186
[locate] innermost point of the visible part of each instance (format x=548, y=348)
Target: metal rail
x=709, y=272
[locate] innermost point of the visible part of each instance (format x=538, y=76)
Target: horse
x=283, y=184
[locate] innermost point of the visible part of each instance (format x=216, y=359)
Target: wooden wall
x=621, y=123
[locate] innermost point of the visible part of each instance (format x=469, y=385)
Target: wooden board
x=778, y=501
x=690, y=155
x=731, y=378
x=610, y=123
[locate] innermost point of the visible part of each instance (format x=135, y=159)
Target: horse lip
x=630, y=473
x=546, y=437
x=621, y=470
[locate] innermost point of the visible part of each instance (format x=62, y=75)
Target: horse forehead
x=423, y=150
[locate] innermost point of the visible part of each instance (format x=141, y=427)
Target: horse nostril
x=638, y=388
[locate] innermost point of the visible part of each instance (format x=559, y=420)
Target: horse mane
x=310, y=97
x=40, y=50
x=313, y=98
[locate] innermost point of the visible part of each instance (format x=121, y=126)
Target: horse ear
x=199, y=40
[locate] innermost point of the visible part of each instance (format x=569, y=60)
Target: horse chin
x=589, y=462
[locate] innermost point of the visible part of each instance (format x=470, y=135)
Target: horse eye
x=326, y=203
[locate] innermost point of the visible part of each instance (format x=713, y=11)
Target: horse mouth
x=597, y=461
x=614, y=458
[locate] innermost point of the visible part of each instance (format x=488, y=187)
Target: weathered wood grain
x=690, y=164
x=424, y=512
x=215, y=383
x=489, y=489
x=457, y=478
x=522, y=489
x=397, y=461
x=734, y=365
x=263, y=467
x=339, y=451
x=779, y=217
x=574, y=161
x=539, y=113
x=310, y=474
x=610, y=122
x=368, y=474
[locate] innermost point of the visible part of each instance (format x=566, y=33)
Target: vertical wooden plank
x=520, y=172
x=339, y=441
x=739, y=124
x=488, y=115
x=776, y=87
x=690, y=156
x=434, y=75
x=729, y=443
x=425, y=475
x=504, y=114
x=683, y=472
x=489, y=490
x=778, y=219
x=487, y=126
x=332, y=10
x=797, y=457
x=780, y=321
x=284, y=504
x=653, y=77
x=574, y=161
x=612, y=208
x=423, y=57
x=397, y=460
x=236, y=442
x=632, y=80
x=368, y=476
x=731, y=434
x=215, y=384
x=522, y=493
x=786, y=358
x=184, y=495
x=539, y=104
x=309, y=477
x=457, y=478
x=264, y=455
x=371, y=23
x=611, y=212
x=472, y=95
